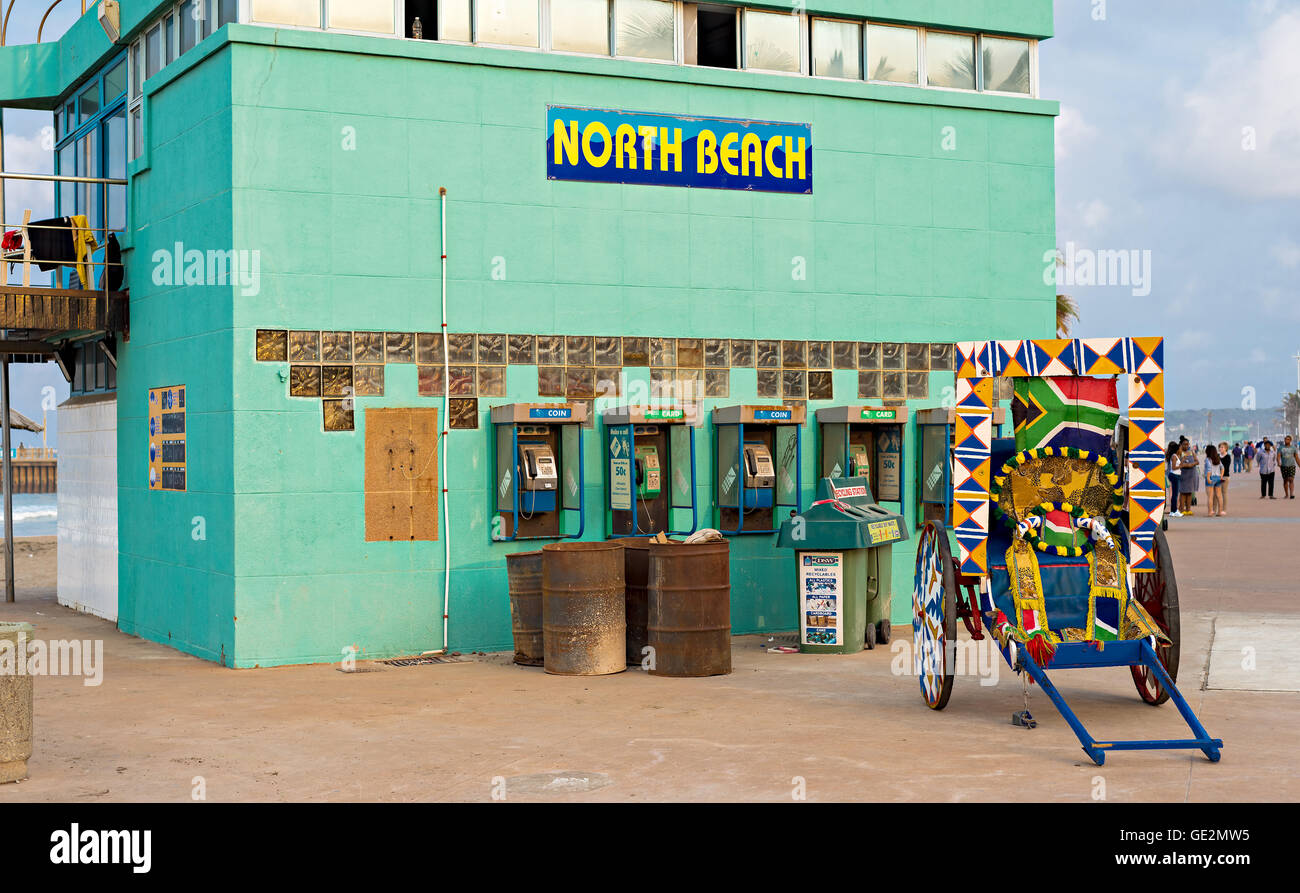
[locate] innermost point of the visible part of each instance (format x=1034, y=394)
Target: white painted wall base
x=87, y=502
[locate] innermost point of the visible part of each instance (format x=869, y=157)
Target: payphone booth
x=537, y=454
x=865, y=442
x=758, y=467
x=650, y=470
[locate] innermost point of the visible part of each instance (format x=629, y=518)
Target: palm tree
x=1067, y=309
x=1290, y=411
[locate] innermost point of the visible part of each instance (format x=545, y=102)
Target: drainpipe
x=444, y=441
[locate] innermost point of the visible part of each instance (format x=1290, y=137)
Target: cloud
x=1258, y=356
x=1071, y=131
x=1238, y=129
x=1094, y=213
x=1192, y=339
x=1286, y=252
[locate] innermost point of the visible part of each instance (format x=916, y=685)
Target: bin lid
x=10, y=630
x=843, y=517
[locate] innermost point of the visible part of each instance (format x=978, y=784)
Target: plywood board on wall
x=401, y=474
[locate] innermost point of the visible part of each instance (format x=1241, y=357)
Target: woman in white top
x=1214, y=480
x=1173, y=471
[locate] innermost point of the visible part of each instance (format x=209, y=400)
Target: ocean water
x=35, y=514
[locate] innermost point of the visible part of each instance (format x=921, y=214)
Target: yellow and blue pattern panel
x=1139, y=360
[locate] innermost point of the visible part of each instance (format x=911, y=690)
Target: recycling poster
x=821, y=591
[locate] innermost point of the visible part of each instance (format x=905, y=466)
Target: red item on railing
x=13, y=240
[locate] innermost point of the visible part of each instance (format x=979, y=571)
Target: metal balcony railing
x=26, y=305
x=40, y=29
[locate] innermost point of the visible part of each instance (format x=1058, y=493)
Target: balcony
x=37, y=318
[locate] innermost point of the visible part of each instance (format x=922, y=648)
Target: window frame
x=678, y=37
x=919, y=31
x=802, y=41
x=543, y=8
x=547, y=36
x=862, y=47
x=1033, y=66
x=924, y=74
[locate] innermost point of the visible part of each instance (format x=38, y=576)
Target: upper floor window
x=836, y=49
x=507, y=22
x=950, y=60
x=303, y=13
x=893, y=54
x=772, y=41
x=711, y=34
x=645, y=29
x=1006, y=65
x=580, y=26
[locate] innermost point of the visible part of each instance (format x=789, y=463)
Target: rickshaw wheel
x=1157, y=591
x=934, y=616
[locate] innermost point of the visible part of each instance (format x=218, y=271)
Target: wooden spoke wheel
x=934, y=616
x=1157, y=591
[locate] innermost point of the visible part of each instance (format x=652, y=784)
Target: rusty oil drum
x=689, y=619
x=584, y=619
x=636, y=563
x=524, y=571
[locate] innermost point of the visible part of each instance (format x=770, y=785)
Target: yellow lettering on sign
x=751, y=155
x=670, y=149
x=648, y=133
x=606, y=144
x=706, y=144
x=566, y=140
x=773, y=169
x=730, y=153
x=625, y=146
x=792, y=157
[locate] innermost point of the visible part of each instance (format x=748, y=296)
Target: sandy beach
x=36, y=566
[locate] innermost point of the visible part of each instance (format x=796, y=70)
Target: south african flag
x=1065, y=412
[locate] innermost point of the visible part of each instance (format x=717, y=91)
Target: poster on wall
x=167, y=459
x=821, y=595
x=620, y=468
x=889, y=449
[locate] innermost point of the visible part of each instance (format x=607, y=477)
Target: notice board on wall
x=401, y=475
x=167, y=450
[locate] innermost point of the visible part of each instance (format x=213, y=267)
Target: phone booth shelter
x=537, y=455
x=758, y=466
x=865, y=442
x=650, y=470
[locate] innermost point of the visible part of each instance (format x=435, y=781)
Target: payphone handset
x=537, y=469
x=859, y=463
x=649, y=477
x=759, y=471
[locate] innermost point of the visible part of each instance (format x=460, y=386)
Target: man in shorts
x=1286, y=462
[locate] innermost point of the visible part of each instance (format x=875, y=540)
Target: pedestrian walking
x=1173, y=472
x=1266, y=457
x=1213, y=468
x=1236, y=457
x=1248, y=454
x=1286, y=462
x=1224, y=459
x=1187, y=479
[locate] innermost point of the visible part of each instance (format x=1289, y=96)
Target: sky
x=1178, y=145
x=1179, y=135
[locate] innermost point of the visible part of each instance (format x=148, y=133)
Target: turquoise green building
x=282, y=238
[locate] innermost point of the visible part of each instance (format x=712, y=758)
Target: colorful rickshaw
x=1062, y=559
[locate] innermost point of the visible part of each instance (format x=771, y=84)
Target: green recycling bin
x=842, y=548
